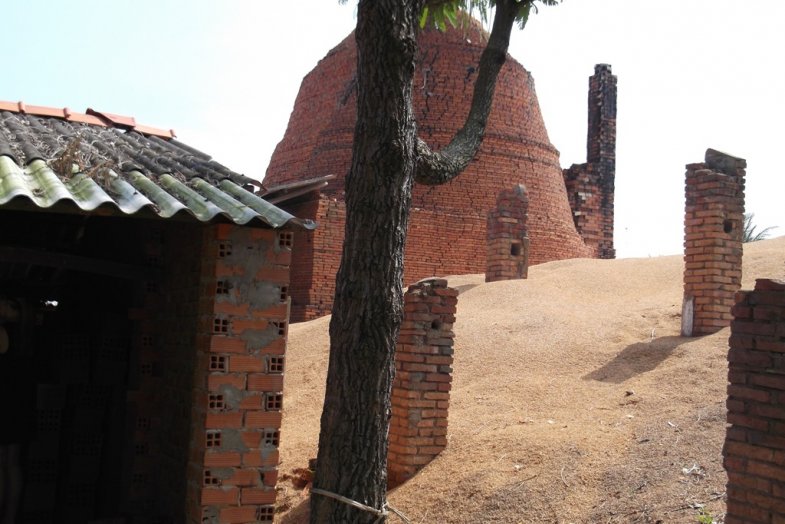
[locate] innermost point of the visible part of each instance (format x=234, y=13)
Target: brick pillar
x=713, y=228
x=423, y=378
x=507, y=255
x=755, y=441
x=244, y=311
x=591, y=186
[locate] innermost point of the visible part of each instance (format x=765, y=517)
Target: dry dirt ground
x=574, y=400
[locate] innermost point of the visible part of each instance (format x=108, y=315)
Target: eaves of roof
x=134, y=193
x=132, y=172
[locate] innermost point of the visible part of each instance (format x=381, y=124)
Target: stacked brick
x=160, y=376
x=507, y=254
x=72, y=462
x=447, y=229
x=755, y=441
x=423, y=378
x=590, y=186
x=713, y=229
x=44, y=456
x=244, y=308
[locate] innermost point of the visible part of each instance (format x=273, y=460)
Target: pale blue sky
x=692, y=74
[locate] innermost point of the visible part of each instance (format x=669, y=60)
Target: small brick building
x=570, y=212
x=145, y=299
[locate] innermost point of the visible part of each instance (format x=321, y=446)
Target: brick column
x=244, y=311
x=591, y=186
x=423, y=378
x=755, y=440
x=507, y=240
x=713, y=228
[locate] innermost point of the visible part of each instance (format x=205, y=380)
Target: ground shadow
x=636, y=359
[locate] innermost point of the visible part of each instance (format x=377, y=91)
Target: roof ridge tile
x=90, y=116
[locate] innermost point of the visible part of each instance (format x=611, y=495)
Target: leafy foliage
x=749, y=234
x=442, y=12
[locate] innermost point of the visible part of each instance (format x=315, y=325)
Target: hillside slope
x=574, y=400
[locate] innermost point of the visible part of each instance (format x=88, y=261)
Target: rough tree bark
x=386, y=158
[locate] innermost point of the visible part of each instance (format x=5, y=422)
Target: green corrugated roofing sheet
x=133, y=192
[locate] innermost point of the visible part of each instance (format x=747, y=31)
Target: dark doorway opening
x=73, y=364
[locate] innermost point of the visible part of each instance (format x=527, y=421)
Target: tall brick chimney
x=590, y=186
x=601, y=139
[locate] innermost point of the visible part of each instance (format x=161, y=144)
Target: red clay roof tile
x=118, y=120
x=91, y=116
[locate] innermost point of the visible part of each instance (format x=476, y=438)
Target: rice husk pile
x=574, y=400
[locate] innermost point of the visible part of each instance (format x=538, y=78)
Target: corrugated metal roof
x=52, y=163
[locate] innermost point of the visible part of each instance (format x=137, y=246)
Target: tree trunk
x=352, y=460
x=368, y=306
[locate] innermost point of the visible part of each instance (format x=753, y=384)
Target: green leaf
x=442, y=11
x=523, y=14
x=451, y=12
x=424, y=17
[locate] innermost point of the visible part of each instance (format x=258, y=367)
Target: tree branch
x=439, y=167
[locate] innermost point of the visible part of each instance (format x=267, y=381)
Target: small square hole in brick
x=210, y=480
x=217, y=363
x=215, y=401
x=86, y=444
x=273, y=401
x=265, y=513
x=213, y=439
x=49, y=420
x=139, y=479
x=284, y=293
x=224, y=249
x=275, y=365
x=515, y=249
x=41, y=470
x=285, y=239
x=271, y=437
x=79, y=493
x=280, y=326
x=222, y=287
x=220, y=326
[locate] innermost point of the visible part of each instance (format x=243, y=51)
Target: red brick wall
x=315, y=258
x=713, y=228
x=592, y=207
x=238, y=378
x=438, y=244
x=755, y=440
x=423, y=378
x=516, y=150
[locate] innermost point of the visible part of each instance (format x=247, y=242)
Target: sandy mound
x=574, y=400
